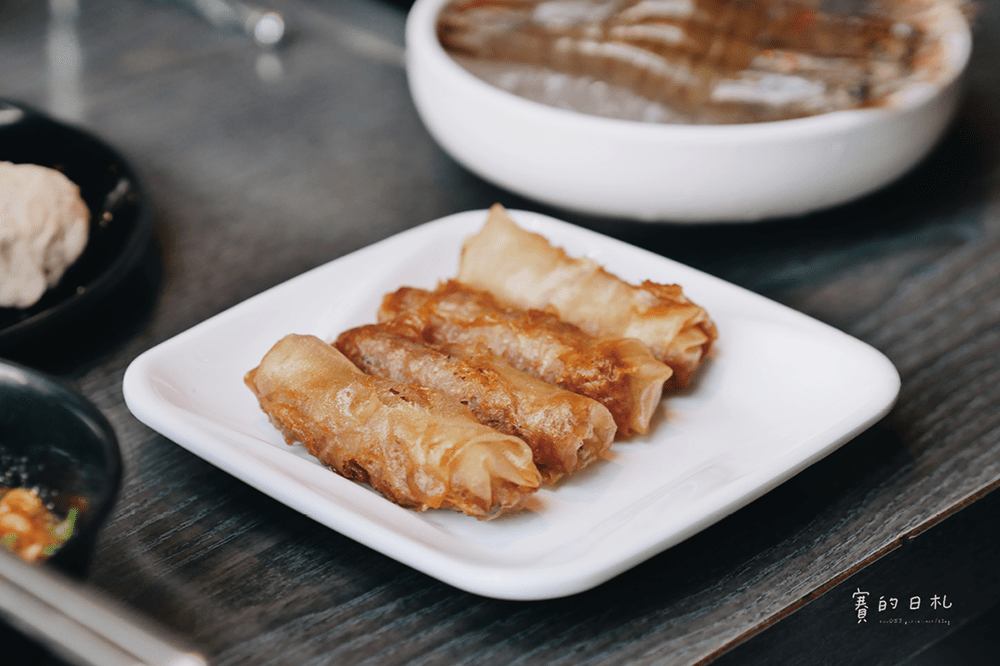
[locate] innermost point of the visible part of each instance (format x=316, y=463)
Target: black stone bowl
x=121, y=225
x=54, y=440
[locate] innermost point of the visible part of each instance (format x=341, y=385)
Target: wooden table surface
x=262, y=164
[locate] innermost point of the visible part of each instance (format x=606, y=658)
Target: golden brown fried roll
x=418, y=447
x=620, y=373
x=566, y=431
x=523, y=269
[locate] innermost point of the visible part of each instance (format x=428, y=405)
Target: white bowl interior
x=676, y=173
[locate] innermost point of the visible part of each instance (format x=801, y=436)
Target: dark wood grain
x=918, y=597
x=261, y=165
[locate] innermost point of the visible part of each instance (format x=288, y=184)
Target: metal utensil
x=80, y=625
x=264, y=26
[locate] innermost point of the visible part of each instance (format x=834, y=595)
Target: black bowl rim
x=139, y=240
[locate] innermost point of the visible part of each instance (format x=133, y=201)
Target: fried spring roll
x=566, y=431
x=418, y=447
x=523, y=269
x=620, y=373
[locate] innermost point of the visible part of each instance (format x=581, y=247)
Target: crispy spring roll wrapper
x=620, y=373
x=522, y=268
x=418, y=447
x=566, y=431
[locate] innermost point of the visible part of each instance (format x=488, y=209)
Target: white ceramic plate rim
x=599, y=523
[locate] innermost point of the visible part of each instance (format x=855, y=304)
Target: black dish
x=53, y=439
x=120, y=225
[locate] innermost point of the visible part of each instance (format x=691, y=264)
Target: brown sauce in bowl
x=697, y=61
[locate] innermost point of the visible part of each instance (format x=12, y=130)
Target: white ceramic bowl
x=672, y=173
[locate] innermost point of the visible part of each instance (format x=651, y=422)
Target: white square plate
x=779, y=391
